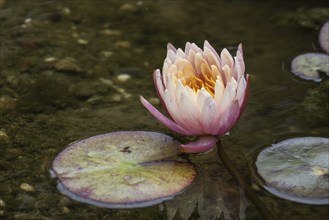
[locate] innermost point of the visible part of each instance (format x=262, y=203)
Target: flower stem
x=246, y=188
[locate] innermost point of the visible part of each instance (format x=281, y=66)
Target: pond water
x=64, y=66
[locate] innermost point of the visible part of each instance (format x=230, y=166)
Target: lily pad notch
x=127, y=169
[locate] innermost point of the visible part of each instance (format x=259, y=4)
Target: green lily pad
x=297, y=169
x=308, y=65
x=122, y=169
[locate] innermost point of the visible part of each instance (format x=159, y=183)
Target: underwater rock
x=2, y=203
x=82, y=41
x=4, y=139
x=68, y=64
x=110, y=32
x=27, y=187
x=123, y=77
x=7, y=103
x=122, y=44
x=128, y=7
x=154, y=101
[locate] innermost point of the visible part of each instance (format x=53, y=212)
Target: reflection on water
x=214, y=195
x=60, y=81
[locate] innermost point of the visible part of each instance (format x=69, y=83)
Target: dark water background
x=46, y=104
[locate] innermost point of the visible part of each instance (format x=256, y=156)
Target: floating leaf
x=122, y=169
x=308, y=65
x=324, y=37
x=297, y=169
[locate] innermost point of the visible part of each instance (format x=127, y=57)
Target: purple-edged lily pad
x=324, y=37
x=297, y=169
x=122, y=169
x=308, y=65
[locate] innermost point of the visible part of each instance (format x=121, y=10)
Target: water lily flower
x=203, y=92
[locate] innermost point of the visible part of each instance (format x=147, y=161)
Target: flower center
x=204, y=80
x=197, y=83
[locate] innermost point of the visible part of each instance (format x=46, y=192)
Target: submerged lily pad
x=122, y=169
x=297, y=169
x=308, y=65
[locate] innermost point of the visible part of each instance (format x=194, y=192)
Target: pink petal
x=208, y=111
x=163, y=119
x=171, y=47
x=208, y=46
x=202, y=144
x=239, y=66
x=227, y=119
x=190, y=117
x=226, y=58
x=246, y=95
x=159, y=86
x=240, y=50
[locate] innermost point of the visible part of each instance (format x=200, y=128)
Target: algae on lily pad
x=122, y=169
x=297, y=169
x=309, y=65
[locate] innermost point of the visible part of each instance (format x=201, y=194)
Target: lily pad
x=308, y=65
x=297, y=169
x=122, y=169
x=324, y=37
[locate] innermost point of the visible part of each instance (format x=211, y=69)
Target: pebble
x=116, y=98
x=2, y=203
x=75, y=35
x=94, y=99
x=14, y=153
x=128, y=7
x=255, y=187
x=4, y=139
x=66, y=10
x=123, y=77
x=12, y=79
x=107, y=53
x=98, y=70
x=66, y=210
x=107, y=82
x=28, y=20
x=82, y=41
x=110, y=84
x=154, y=101
x=68, y=64
x=50, y=59
x=64, y=201
x=122, y=44
x=27, y=187
x=6, y=103
x=110, y=32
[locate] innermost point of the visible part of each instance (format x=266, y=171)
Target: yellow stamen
x=196, y=82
